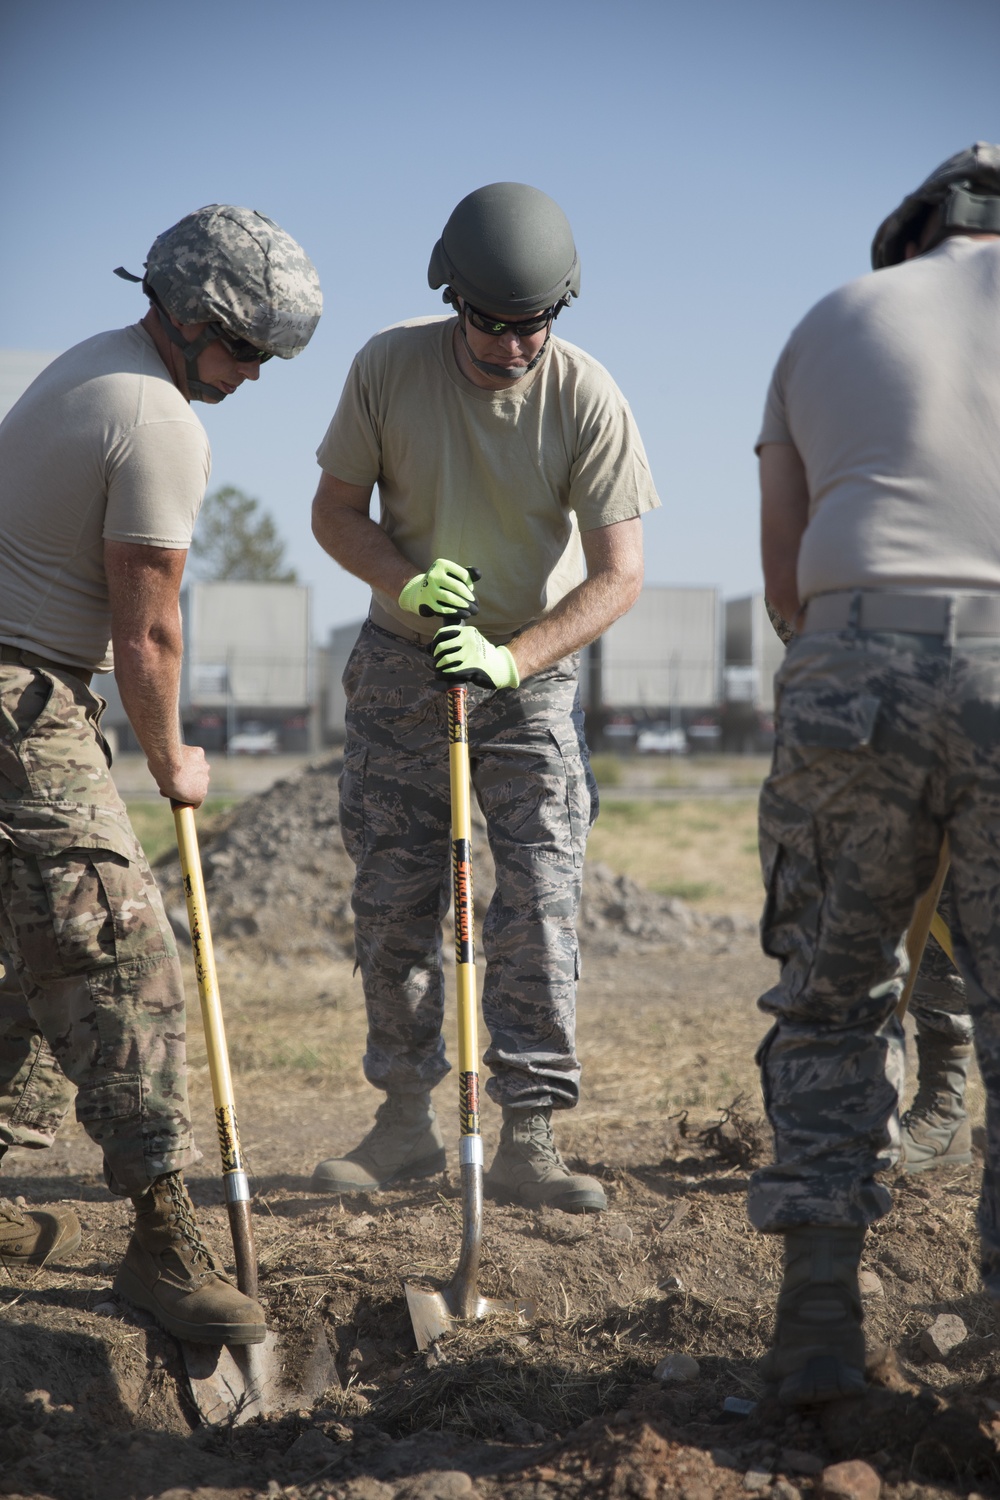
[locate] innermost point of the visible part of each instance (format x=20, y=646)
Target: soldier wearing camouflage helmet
x=498, y=447
x=880, y=500
x=103, y=467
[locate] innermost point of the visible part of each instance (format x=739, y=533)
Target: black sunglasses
x=496, y=327
x=242, y=350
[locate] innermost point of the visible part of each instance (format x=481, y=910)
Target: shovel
x=434, y=1313
x=924, y=920
x=232, y=1383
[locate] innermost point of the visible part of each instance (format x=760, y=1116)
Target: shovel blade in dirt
x=434, y=1314
x=232, y=1383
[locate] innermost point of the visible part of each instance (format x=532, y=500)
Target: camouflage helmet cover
x=967, y=179
x=234, y=266
x=507, y=248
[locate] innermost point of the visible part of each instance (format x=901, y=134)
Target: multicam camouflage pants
x=91, y=999
x=532, y=778
x=884, y=742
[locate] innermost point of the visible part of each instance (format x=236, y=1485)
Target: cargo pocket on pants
x=793, y=886
x=109, y=1103
x=579, y=806
x=352, y=801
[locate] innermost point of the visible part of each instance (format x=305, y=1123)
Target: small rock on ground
x=853, y=1480
x=945, y=1334
x=443, y=1484
x=870, y=1284
x=798, y=1462
x=677, y=1368
x=367, y=1488
x=310, y=1452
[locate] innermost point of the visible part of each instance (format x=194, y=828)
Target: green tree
x=236, y=539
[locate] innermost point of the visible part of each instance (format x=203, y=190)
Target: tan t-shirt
x=497, y=480
x=889, y=389
x=102, y=446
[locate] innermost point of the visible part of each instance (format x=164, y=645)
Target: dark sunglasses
x=496, y=328
x=242, y=350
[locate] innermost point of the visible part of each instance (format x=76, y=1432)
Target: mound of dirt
x=278, y=879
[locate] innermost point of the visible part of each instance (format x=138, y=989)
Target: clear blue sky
x=723, y=164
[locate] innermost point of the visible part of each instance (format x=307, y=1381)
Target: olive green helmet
x=507, y=249
x=966, y=187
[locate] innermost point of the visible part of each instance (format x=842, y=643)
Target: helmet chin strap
x=506, y=372
x=198, y=390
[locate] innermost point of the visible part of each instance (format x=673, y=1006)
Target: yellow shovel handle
x=470, y=1147
x=234, y=1175
x=920, y=926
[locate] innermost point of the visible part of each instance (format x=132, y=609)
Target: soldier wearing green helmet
x=503, y=451
x=103, y=467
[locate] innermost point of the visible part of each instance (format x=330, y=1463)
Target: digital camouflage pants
x=939, y=1004
x=531, y=776
x=884, y=743
x=91, y=1000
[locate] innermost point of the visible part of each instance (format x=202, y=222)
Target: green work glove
x=445, y=589
x=462, y=654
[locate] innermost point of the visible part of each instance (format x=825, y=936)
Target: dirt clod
x=945, y=1334
x=677, y=1368
x=854, y=1480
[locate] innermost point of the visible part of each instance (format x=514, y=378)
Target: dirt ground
x=93, y=1399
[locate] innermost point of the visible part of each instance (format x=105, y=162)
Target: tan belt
x=385, y=621
x=14, y=656
x=952, y=616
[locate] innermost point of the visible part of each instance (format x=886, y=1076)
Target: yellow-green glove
x=445, y=589
x=462, y=654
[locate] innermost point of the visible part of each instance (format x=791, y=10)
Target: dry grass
x=702, y=850
x=307, y=1023
x=154, y=822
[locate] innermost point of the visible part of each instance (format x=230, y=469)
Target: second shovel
x=434, y=1313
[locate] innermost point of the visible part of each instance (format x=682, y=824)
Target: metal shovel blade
x=232, y=1383
x=436, y=1313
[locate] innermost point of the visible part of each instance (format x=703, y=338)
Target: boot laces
x=183, y=1220
x=544, y=1142
x=12, y=1213
x=927, y=1107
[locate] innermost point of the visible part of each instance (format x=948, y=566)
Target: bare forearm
x=780, y=582
x=361, y=547
x=579, y=618
x=784, y=516
x=614, y=580
x=148, y=672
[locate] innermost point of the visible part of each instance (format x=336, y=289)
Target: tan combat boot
x=170, y=1272
x=405, y=1141
x=34, y=1236
x=935, y=1130
x=818, y=1352
x=528, y=1169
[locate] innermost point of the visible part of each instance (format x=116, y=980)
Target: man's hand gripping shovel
x=434, y=1313
x=233, y=1384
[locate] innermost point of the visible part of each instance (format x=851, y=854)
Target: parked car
x=660, y=739
x=704, y=733
x=254, y=739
